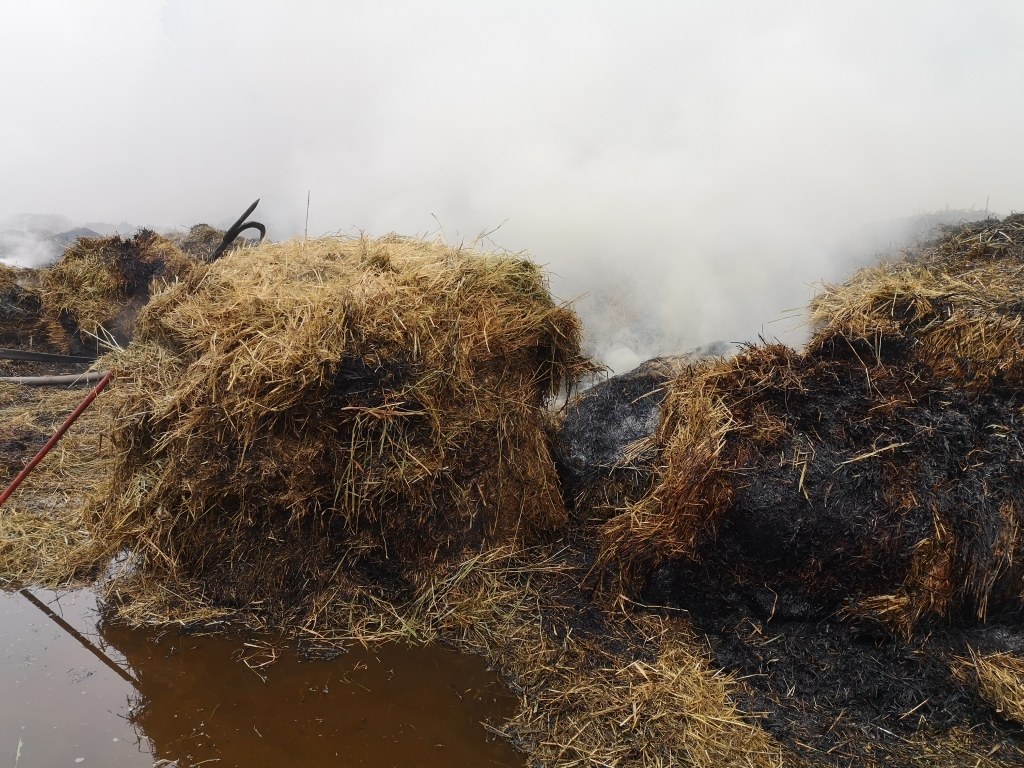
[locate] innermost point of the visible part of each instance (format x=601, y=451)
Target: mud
x=206, y=699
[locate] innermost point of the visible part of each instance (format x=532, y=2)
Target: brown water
x=193, y=701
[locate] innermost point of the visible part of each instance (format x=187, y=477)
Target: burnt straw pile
x=876, y=471
x=309, y=417
x=843, y=521
x=22, y=321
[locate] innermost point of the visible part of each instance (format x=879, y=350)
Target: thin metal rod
x=70, y=378
x=42, y=357
x=78, y=636
x=56, y=436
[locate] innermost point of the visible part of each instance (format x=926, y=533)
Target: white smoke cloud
x=690, y=166
x=25, y=249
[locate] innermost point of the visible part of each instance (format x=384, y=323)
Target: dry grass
x=958, y=747
x=585, y=705
x=19, y=277
x=999, y=680
x=138, y=601
x=8, y=277
x=692, y=493
x=43, y=536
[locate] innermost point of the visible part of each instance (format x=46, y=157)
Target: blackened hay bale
x=102, y=283
x=23, y=322
x=598, y=428
x=878, y=470
x=299, y=414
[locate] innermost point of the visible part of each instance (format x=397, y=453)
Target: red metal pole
x=53, y=440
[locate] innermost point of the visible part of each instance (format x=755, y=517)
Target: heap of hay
x=302, y=416
x=876, y=470
x=99, y=285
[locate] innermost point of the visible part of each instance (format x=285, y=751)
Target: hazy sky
x=693, y=166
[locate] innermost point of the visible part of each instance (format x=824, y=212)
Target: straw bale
x=104, y=282
x=200, y=242
x=299, y=414
x=875, y=470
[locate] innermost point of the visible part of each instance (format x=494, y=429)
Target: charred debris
x=757, y=556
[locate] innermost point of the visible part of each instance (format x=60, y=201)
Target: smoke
x=689, y=168
x=37, y=240
x=28, y=240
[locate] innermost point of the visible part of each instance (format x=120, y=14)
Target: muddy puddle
x=140, y=697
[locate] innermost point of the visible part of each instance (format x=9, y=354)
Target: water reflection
x=60, y=706
x=196, y=703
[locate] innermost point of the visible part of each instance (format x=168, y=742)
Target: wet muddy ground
x=193, y=699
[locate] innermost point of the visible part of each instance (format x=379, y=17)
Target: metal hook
x=238, y=227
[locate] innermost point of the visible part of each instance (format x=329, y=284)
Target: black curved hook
x=251, y=225
x=238, y=227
